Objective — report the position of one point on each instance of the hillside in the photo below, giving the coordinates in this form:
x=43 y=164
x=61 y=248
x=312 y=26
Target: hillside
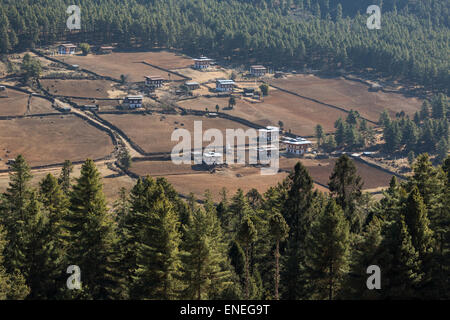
x=412 y=44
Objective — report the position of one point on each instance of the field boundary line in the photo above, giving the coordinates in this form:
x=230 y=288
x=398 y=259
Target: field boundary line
x=69 y=66
x=320 y=102
x=167 y=70
x=59 y=165
x=373 y=165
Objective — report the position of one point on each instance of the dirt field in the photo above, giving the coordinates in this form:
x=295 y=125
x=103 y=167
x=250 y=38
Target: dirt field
x=130 y=64
x=79 y=88
x=232 y=179
x=163 y=59
x=297 y=114
x=16 y=104
x=51 y=140
x=161 y=168
x=103 y=104
x=320 y=171
x=153 y=132
x=349 y=95
x=204 y=76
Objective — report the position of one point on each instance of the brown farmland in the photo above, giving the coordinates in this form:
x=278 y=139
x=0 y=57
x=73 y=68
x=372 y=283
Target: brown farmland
x=79 y=88
x=320 y=171
x=16 y=104
x=349 y=95
x=120 y=63
x=299 y=115
x=51 y=140
x=153 y=132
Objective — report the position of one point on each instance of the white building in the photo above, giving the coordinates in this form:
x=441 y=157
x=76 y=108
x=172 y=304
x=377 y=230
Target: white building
x=225 y=85
x=212 y=158
x=258 y=70
x=270 y=134
x=202 y=63
x=133 y=102
x=297 y=146
x=67 y=49
x=154 y=82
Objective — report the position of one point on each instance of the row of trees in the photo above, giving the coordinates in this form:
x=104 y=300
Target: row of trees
x=292 y=242
x=325 y=34
x=353 y=133
x=427 y=132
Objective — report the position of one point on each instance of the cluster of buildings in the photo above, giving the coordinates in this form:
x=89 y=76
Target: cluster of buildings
x=70 y=49
x=295 y=146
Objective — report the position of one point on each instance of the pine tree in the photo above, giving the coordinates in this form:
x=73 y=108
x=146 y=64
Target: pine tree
x=442 y=149
x=385 y=119
x=15 y=218
x=158 y=259
x=365 y=252
x=422 y=238
x=204 y=257
x=5 y=44
x=48 y=247
x=346 y=185
x=12 y=286
x=254 y=199
x=319 y=134
x=91 y=236
x=426 y=179
x=425 y=110
x=417 y=221
x=246 y=235
x=279 y=230
x=340 y=133
x=296 y=210
x=439 y=106
x=399 y=263
x=64 y=178
x=238 y=208
x=328 y=251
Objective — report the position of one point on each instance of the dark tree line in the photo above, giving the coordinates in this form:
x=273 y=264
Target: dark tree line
x=428 y=131
x=292 y=242
x=323 y=34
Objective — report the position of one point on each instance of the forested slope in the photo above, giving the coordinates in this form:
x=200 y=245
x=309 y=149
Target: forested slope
x=326 y=34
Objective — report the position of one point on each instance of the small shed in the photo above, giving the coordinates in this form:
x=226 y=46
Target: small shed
x=3 y=92
x=67 y=49
x=106 y=50
x=192 y=85
x=90 y=107
x=258 y=70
